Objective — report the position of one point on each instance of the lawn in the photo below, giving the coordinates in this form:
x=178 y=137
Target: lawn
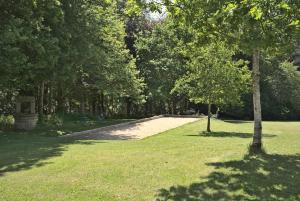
x=63 y=124
x=180 y=164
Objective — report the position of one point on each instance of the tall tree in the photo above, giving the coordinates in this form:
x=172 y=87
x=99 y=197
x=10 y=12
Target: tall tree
x=74 y=48
x=254 y=25
x=161 y=61
x=281 y=89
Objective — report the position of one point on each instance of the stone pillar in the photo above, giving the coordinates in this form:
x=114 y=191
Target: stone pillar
x=32 y=107
x=18 y=107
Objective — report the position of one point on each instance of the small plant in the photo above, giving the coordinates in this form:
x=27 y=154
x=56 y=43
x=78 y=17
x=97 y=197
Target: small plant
x=6 y=122
x=60 y=133
x=52 y=120
x=56 y=120
x=90 y=123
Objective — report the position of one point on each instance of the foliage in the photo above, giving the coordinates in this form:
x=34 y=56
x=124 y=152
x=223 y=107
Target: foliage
x=161 y=60
x=68 y=46
x=54 y=120
x=6 y=122
x=252 y=24
x=280 y=93
x=109 y=58
x=213 y=77
x=7 y=98
x=281 y=86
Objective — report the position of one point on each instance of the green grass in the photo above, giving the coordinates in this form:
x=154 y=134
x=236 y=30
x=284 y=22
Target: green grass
x=64 y=124
x=70 y=126
x=180 y=164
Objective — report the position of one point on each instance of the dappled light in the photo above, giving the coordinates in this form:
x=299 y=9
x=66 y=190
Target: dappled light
x=103 y=100
x=24 y=151
x=263 y=177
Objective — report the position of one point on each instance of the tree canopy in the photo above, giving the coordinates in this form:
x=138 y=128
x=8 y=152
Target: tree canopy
x=253 y=25
x=213 y=77
x=115 y=58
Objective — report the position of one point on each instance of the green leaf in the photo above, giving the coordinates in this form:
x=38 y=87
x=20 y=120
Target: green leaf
x=256 y=12
x=294 y=23
x=230 y=7
x=285 y=6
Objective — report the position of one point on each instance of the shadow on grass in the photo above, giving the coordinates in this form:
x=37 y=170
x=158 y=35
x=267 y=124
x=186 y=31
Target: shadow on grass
x=24 y=150
x=262 y=177
x=228 y=134
x=237 y=121
x=20 y=151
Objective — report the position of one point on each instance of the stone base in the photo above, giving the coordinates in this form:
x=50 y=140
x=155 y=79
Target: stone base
x=25 y=121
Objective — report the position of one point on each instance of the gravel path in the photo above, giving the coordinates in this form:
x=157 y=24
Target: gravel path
x=134 y=130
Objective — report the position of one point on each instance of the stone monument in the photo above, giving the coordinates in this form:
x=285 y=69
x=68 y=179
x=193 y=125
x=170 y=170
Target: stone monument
x=25 y=117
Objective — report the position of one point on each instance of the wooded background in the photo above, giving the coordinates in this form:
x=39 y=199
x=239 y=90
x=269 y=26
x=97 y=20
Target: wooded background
x=94 y=57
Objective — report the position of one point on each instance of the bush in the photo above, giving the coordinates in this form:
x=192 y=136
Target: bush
x=6 y=122
x=56 y=120
x=52 y=120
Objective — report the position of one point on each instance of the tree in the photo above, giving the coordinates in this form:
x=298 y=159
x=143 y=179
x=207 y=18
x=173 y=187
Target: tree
x=254 y=25
x=213 y=77
x=62 y=51
x=161 y=62
x=281 y=89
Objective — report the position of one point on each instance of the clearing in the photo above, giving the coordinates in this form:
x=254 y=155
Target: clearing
x=179 y=164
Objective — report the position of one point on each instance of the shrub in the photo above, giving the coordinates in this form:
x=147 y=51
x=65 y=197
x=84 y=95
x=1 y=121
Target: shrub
x=6 y=122
x=52 y=120
x=56 y=120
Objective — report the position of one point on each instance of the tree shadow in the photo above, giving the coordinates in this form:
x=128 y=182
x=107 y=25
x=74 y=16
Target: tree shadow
x=228 y=134
x=237 y=121
x=21 y=151
x=261 y=177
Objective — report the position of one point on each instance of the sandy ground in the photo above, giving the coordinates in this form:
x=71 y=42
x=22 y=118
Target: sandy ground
x=136 y=130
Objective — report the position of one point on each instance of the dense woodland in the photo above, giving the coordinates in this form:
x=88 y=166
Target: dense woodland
x=118 y=59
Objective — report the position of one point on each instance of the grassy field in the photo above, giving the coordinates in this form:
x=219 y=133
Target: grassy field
x=58 y=125
x=180 y=164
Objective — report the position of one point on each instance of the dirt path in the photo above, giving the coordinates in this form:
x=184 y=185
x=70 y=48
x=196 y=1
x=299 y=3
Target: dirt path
x=134 y=130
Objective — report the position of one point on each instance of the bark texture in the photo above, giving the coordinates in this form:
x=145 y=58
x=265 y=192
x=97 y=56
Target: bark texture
x=41 y=105
x=208 y=118
x=257 y=135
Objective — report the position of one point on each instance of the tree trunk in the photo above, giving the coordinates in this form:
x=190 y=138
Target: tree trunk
x=257 y=142
x=41 y=105
x=50 y=101
x=217 y=112
x=151 y=107
x=187 y=105
x=128 y=107
x=161 y=107
x=102 y=105
x=208 y=118
x=60 y=98
x=111 y=109
x=82 y=104
x=98 y=107
x=67 y=104
x=173 y=107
